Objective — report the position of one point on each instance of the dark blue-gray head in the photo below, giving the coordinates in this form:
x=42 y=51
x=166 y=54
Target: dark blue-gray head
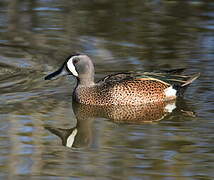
x=78 y=65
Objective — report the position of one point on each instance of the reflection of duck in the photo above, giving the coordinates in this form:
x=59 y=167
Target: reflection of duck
x=129 y=114
x=81 y=135
x=122 y=88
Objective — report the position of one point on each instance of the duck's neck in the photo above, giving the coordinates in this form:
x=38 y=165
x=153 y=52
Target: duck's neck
x=86 y=74
x=85 y=80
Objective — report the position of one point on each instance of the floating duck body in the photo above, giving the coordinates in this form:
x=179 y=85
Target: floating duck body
x=122 y=88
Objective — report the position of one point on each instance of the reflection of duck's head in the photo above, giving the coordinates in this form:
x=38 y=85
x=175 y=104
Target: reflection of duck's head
x=67 y=135
x=73 y=137
x=122 y=88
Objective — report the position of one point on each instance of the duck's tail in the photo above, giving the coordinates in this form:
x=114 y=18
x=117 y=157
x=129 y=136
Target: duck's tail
x=181 y=87
x=191 y=79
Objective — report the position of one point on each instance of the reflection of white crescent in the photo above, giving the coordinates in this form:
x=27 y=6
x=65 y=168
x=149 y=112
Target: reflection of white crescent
x=71 y=138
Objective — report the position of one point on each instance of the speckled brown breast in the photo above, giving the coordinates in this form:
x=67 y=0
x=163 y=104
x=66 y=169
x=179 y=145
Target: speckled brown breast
x=130 y=92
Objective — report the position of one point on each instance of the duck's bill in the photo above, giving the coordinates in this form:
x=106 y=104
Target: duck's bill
x=56 y=74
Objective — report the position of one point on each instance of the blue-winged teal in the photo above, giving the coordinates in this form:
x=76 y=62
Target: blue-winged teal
x=122 y=88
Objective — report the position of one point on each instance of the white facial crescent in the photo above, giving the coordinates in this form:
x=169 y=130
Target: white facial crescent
x=71 y=66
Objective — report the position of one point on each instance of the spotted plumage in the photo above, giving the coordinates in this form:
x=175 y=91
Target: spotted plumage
x=122 y=88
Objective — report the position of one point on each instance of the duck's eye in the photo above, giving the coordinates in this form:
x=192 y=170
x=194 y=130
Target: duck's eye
x=76 y=60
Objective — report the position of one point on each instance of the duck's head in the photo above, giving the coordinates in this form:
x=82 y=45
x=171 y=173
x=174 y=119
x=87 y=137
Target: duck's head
x=78 y=65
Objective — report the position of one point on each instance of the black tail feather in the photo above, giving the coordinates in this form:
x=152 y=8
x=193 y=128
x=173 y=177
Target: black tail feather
x=181 y=88
x=191 y=79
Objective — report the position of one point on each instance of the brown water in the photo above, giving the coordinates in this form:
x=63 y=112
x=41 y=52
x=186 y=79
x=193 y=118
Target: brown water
x=38 y=120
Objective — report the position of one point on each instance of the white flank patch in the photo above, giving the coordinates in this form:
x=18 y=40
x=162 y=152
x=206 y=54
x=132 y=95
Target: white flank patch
x=71 y=66
x=170 y=107
x=169 y=92
x=70 y=139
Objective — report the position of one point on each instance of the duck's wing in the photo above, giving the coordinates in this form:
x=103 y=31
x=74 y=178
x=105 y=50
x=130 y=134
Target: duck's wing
x=118 y=77
x=171 y=77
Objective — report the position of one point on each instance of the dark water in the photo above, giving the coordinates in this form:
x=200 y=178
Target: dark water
x=37 y=117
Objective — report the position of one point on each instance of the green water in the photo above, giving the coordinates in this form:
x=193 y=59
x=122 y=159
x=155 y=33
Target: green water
x=37 y=117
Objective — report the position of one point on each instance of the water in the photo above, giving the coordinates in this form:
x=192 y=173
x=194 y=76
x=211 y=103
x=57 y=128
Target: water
x=38 y=120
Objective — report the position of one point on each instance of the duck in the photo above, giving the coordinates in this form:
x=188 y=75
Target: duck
x=124 y=88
